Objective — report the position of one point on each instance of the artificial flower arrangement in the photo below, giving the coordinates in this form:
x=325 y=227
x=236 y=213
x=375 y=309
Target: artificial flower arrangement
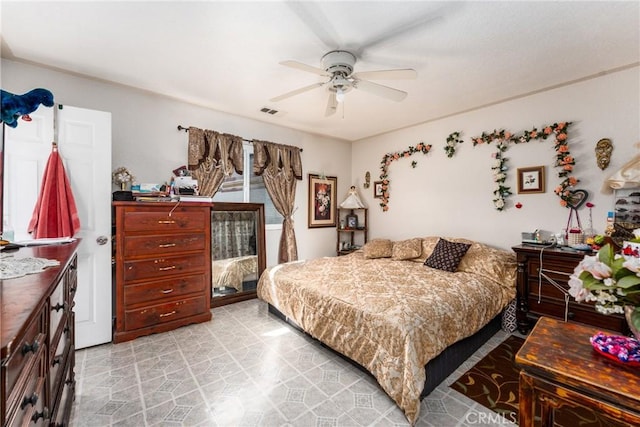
x=564 y=160
x=121 y=177
x=610 y=280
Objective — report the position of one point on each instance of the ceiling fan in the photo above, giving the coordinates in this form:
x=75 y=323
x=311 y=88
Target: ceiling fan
x=337 y=67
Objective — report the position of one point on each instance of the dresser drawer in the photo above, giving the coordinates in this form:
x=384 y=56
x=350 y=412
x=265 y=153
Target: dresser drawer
x=22 y=357
x=553 y=267
x=32 y=410
x=58 y=360
x=144 y=293
x=28 y=396
x=581 y=313
x=159 y=221
x=163 y=266
x=64 y=402
x=161 y=313
x=71 y=278
x=57 y=308
x=135 y=246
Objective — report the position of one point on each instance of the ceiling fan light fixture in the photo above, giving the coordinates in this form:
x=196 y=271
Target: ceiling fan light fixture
x=340 y=95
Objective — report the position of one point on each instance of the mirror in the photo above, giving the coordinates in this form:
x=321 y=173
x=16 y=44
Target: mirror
x=237 y=251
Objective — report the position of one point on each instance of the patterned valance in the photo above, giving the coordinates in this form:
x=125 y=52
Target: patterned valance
x=212 y=157
x=277 y=158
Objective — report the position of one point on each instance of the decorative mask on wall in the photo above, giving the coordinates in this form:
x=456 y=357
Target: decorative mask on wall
x=604 y=147
x=367 y=180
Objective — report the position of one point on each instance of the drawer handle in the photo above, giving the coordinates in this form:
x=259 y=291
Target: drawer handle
x=167 y=291
x=167 y=245
x=30 y=400
x=26 y=348
x=56 y=360
x=169 y=221
x=59 y=306
x=171 y=313
x=571 y=315
x=173 y=267
x=44 y=414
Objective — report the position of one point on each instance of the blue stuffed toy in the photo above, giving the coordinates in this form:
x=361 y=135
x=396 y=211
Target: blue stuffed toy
x=16 y=106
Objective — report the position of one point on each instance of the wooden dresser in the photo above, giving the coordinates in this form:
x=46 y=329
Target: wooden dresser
x=562 y=373
x=543 y=298
x=38 y=354
x=163 y=266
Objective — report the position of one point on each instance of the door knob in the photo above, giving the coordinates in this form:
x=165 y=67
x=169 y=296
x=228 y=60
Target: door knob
x=102 y=240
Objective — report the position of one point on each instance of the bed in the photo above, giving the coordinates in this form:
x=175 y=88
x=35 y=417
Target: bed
x=389 y=312
x=233 y=272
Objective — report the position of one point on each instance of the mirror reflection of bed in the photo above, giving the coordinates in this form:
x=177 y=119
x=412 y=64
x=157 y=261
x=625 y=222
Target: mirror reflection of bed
x=237 y=251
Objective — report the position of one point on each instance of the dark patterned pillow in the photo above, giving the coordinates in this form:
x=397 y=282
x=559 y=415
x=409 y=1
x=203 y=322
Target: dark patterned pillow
x=447 y=255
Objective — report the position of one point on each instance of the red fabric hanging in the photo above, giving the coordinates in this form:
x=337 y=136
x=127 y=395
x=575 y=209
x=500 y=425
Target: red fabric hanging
x=55 y=213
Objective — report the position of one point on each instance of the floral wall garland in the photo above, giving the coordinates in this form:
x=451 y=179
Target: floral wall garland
x=564 y=160
x=384 y=167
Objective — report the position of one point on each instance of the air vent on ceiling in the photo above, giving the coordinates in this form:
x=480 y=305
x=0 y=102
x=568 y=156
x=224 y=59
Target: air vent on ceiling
x=271 y=111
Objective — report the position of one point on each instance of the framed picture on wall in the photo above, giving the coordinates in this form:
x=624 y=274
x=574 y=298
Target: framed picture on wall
x=531 y=180
x=377 y=190
x=322 y=201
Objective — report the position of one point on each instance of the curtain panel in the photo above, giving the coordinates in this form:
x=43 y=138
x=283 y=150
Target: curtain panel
x=233 y=234
x=212 y=157
x=280 y=167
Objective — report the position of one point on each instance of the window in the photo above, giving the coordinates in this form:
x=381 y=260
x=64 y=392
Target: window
x=248 y=188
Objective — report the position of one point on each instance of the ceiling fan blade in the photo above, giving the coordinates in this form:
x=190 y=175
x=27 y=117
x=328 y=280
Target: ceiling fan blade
x=313 y=17
x=399 y=74
x=304 y=67
x=380 y=90
x=295 y=92
x=402 y=30
x=332 y=104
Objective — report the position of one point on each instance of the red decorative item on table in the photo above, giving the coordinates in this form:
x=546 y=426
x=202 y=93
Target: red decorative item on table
x=621 y=349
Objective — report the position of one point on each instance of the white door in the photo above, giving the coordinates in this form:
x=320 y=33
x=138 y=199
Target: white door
x=84 y=143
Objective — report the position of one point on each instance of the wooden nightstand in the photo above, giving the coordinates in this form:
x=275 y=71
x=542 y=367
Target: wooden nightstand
x=560 y=371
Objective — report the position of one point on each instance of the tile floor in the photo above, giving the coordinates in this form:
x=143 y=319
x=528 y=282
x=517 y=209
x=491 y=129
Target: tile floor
x=248 y=368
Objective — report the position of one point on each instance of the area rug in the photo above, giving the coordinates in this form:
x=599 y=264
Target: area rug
x=493 y=383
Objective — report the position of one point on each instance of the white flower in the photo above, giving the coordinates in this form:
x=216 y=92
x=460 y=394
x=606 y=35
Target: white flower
x=609 y=281
x=576 y=290
x=632 y=264
x=598 y=270
x=499 y=203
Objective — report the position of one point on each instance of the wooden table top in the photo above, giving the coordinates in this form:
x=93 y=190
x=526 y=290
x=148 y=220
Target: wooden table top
x=559 y=350
x=20 y=297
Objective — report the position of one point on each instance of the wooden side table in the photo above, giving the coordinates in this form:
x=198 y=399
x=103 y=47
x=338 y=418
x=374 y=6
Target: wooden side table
x=560 y=370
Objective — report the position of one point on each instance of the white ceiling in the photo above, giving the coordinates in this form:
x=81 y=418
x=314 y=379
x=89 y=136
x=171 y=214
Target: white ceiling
x=225 y=55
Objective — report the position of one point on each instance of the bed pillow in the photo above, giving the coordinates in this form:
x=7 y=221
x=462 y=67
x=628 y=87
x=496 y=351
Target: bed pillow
x=378 y=248
x=407 y=249
x=447 y=255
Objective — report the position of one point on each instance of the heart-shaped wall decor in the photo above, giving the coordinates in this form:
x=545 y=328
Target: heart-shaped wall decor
x=577 y=198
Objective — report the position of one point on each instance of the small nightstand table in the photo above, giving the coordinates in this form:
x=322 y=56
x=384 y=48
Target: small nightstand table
x=561 y=369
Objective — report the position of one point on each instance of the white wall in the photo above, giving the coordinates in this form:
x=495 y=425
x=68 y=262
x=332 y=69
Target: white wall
x=147 y=142
x=441 y=196
x=453 y=196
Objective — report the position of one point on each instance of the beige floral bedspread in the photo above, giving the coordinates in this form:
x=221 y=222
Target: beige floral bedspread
x=232 y=271
x=392 y=317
